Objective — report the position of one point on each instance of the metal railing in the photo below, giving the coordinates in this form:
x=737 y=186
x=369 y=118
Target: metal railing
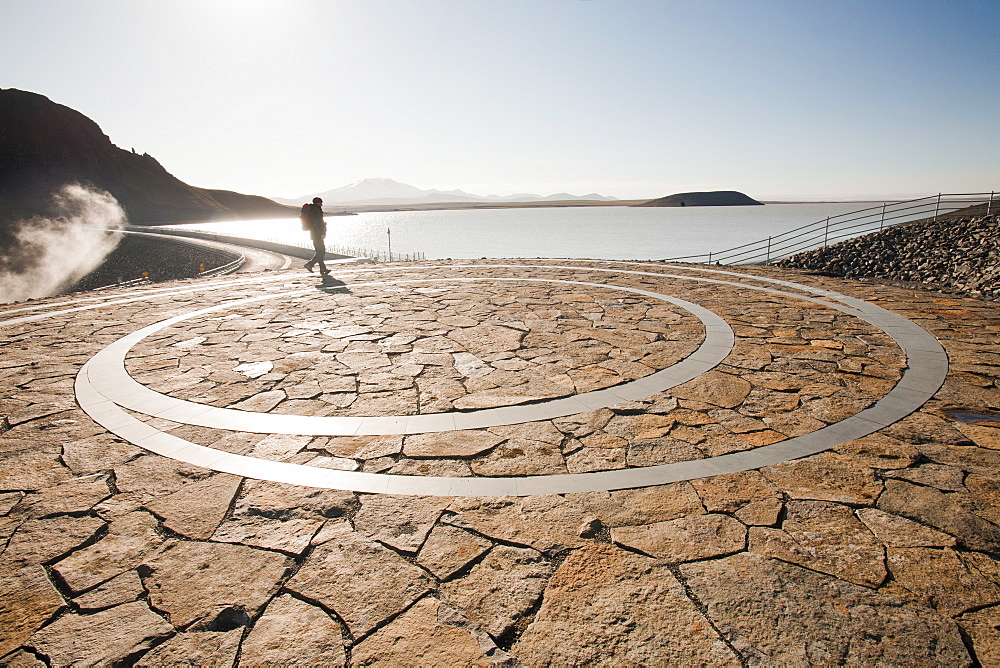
x=380 y=256
x=284 y=245
x=124 y=284
x=224 y=269
x=832 y=229
x=347 y=251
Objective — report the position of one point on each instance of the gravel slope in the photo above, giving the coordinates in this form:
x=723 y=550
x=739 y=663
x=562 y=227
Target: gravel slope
x=954 y=255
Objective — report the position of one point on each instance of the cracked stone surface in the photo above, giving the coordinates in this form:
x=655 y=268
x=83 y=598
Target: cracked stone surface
x=399 y=522
x=205 y=648
x=420 y=632
x=882 y=550
x=129 y=539
x=684 y=539
x=352 y=576
x=500 y=589
x=769 y=609
x=29 y=601
x=192 y=581
x=102 y=638
x=292 y=632
x=123 y=588
x=606 y=602
x=824 y=537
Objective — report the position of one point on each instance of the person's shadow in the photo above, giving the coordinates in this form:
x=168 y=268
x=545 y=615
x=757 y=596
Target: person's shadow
x=331 y=284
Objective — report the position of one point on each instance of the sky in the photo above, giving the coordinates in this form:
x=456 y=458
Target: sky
x=629 y=98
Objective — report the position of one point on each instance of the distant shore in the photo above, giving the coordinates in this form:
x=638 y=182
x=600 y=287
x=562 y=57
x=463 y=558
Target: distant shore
x=444 y=206
x=349 y=210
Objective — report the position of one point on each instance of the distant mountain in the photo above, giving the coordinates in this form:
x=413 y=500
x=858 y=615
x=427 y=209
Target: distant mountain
x=711 y=198
x=383 y=191
x=44 y=145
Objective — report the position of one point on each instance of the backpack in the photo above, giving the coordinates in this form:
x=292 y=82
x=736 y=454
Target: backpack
x=304 y=216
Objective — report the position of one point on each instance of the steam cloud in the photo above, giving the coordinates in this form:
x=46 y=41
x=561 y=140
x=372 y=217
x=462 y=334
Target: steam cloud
x=49 y=255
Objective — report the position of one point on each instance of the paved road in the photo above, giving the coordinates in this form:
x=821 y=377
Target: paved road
x=257 y=259
x=261 y=260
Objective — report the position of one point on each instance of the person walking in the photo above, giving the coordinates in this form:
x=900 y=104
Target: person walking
x=312 y=221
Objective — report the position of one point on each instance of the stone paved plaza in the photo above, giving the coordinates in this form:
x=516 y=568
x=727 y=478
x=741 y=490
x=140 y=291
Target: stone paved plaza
x=517 y=462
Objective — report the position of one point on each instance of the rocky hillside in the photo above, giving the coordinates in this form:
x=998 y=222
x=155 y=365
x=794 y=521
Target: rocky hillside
x=711 y=198
x=157 y=259
x=954 y=254
x=44 y=145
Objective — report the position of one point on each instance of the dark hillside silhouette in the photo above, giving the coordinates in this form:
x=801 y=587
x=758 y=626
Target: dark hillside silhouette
x=44 y=145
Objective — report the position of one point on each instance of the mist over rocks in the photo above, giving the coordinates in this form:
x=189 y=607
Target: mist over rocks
x=83 y=247
x=954 y=254
x=44 y=256
x=45 y=145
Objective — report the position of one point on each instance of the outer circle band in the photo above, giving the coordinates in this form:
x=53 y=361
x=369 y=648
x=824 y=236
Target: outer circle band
x=927 y=368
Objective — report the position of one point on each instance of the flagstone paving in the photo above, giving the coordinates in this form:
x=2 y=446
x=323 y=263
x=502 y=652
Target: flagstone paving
x=524 y=462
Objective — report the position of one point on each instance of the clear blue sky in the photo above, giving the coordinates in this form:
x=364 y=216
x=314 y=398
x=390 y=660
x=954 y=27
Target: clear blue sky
x=630 y=98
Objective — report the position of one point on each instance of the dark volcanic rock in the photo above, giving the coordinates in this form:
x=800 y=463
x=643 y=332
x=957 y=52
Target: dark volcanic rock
x=159 y=259
x=712 y=198
x=954 y=254
x=44 y=145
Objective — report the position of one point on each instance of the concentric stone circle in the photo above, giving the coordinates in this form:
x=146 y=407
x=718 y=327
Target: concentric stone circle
x=104 y=388
x=108 y=376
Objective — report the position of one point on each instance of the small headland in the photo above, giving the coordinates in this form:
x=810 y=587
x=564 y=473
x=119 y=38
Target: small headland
x=957 y=253
x=711 y=198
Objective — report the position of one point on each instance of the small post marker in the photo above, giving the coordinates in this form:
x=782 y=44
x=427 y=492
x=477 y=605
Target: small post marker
x=388 y=233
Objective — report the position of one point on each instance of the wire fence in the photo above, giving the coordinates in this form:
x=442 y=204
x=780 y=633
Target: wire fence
x=348 y=251
x=381 y=256
x=279 y=244
x=845 y=226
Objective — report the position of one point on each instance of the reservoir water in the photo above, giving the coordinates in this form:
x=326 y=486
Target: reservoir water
x=601 y=232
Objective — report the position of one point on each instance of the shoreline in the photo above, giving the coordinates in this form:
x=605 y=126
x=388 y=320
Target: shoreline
x=473 y=206
x=445 y=206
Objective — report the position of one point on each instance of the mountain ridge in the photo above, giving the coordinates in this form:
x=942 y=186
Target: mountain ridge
x=385 y=191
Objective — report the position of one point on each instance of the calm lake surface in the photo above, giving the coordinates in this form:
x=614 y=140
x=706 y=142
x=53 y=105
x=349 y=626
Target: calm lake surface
x=601 y=232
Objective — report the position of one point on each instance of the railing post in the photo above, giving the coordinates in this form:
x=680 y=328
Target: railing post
x=937 y=207
x=767 y=259
x=881 y=221
x=989 y=205
x=826 y=232
x=710 y=252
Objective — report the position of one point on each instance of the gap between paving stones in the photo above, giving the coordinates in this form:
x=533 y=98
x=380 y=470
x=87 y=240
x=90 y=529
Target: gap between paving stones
x=927 y=365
